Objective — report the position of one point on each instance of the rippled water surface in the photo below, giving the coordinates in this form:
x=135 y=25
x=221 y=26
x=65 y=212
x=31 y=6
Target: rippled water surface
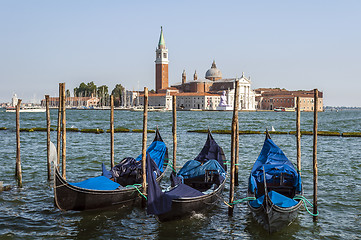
x=29 y=211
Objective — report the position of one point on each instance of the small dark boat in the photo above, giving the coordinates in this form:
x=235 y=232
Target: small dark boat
x=100 y=192
x=274 y=182
x=197 y=186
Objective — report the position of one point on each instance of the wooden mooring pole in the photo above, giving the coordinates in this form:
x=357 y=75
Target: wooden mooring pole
x=144 y=145
x=18 y=173
x=315 y=174
x=63 y=152
x=58 y=137
x=236 y=156
x=48 y=135
x=298 y=134
x=174 y=131
x=233 y=149
x=111 y=131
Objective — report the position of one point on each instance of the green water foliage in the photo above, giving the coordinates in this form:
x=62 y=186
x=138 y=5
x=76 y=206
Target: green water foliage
x=351 y=134
x=302 y=132
x=119 y=130
x=328 y=133
x=249 y=132
x=72 y=129
x=92 y=130
x=277 y=132
x=141 y=130
x=26 y=130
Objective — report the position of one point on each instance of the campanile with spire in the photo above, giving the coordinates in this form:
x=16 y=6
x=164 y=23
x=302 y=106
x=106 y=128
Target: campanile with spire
x=161 y=64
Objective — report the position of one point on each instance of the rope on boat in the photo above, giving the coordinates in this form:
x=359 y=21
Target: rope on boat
x=237 y=164
x=171 y=166
x=136 y=187
x=237 y=201
x=242 y=200
x=304 y=200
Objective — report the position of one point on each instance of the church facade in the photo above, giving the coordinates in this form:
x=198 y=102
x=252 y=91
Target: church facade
x=210 y=93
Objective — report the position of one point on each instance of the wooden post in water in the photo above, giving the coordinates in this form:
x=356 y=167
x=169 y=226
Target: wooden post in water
x=236 y=156
x=298 y=134
x=48 y=135
x=144 y=146
x=58 y=138
x=315 y=174
x=111 y=131
x=18 y=172
x=174 y=131
x=63 y=153
x=233 y=149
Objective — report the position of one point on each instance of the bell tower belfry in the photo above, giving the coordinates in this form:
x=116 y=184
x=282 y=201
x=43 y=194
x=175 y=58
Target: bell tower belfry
x=161 y=64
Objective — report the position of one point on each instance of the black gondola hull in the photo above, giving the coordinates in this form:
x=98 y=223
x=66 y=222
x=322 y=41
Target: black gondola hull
x=184 y=207
x=69 y=197
x=273 y=218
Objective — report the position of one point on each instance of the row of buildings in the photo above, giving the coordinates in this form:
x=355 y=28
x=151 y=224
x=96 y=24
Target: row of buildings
x=213 y=92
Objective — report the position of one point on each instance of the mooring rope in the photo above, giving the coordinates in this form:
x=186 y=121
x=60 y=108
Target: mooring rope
x=242 y=200
x=236 y=201
x=136 y=187
x=303 y=199
x=171 y=166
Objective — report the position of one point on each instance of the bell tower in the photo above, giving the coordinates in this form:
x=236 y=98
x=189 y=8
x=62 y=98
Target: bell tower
x=161 y=64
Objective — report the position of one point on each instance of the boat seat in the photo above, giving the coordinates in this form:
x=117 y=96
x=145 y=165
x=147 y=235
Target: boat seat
x=282 y=184
x=203 y=183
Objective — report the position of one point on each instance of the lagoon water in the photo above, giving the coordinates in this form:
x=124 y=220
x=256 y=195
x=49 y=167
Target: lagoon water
x=29 y=212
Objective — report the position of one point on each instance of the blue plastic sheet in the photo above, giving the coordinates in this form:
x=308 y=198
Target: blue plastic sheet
x=157 y=152
x=194 y=168
x=274 y=162
x=276 y=198
x=97 y=183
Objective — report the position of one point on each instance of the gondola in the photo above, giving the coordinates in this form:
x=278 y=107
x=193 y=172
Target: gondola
x=197 y=186
x=274 y=182
x=100 y=192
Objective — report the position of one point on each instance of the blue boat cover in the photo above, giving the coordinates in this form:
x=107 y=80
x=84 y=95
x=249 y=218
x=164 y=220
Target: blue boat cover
x=210 y=158
x=128 y=171
x=157 y=152
x=274 y=162
x=97 y=183
x=194 y=168
x=276 y=198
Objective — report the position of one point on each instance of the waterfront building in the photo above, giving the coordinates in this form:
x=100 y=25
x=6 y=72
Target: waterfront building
x=199 y=93
x=275 y=98
x=215 y=84
x=76 y=102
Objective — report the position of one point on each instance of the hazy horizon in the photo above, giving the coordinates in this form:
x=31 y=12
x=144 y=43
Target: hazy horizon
x=292 y=45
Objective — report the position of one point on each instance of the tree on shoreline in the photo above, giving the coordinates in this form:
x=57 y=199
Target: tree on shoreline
x=118 y=93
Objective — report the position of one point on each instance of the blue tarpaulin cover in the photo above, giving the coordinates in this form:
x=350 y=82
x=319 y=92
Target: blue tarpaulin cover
x=97 y=183
x=276 y=198
x=194 y=168
x=157 y=152
x=210 y=158
x=274 y=162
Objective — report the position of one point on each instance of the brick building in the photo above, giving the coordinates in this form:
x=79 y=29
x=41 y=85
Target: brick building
x=275 y=98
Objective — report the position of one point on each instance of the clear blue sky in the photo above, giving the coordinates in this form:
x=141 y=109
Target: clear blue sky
x=287 y=44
